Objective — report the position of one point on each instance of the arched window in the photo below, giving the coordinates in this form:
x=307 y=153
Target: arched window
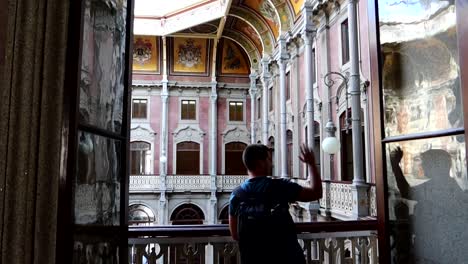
x=139 y=214
x=138 y=153
x=271 y=145
x=317 y=146
x=233 y=158
x=187 y=214
x=188 y=158
x=224 y=215
x=289 y=142
x=347 y=161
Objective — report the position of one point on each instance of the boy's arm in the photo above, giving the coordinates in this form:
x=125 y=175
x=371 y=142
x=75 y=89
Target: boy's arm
x=233 y=227
x=233 y=203
x=314 y=192
x=395 y=157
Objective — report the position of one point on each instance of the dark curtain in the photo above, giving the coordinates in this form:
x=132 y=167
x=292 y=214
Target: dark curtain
x=31 y=103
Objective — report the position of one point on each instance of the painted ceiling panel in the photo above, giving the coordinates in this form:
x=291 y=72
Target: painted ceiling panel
x=258 y=24
x=297 y=5
x=246 y=44
x=233 y=59
x=267 y=11
x=247 y=30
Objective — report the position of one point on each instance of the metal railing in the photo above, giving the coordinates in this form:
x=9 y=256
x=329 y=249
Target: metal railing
x=322 y=242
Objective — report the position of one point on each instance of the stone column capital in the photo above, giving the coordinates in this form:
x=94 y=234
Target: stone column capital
x=308 y=36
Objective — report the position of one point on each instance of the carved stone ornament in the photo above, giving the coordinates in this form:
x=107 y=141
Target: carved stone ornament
x=236 y=134
x=188 y=133
x=142 y=133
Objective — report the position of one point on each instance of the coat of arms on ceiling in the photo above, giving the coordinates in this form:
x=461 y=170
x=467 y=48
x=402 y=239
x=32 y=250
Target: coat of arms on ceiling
x=189 y=55
x=145 y=53
x=142 y=51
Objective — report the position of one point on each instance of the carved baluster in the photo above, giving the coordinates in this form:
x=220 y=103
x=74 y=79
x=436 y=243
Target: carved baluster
x=225 y=251
x=340 y=250
x=130 y=254
x=346 y=242
x=307 y=249
x=373 y=248
x=332 y=250
x=139 y=253
x=322 y=249
x=363 y=246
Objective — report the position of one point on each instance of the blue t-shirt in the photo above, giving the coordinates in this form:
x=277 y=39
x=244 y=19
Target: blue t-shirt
x=258 y=248
x=286 y=190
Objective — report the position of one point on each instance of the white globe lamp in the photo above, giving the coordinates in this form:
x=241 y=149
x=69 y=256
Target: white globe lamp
x=163 y=159
x=331 y=145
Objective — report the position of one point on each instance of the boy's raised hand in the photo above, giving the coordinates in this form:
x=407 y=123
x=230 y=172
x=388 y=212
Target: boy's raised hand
x=307 y=156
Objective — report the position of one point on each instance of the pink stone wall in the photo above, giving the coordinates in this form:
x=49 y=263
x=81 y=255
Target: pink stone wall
x=155 y=123
x=173 y=120
x=203 y=118
x=222 y=124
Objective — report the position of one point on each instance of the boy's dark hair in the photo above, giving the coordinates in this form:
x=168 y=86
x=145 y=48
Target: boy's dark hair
x=254 y=153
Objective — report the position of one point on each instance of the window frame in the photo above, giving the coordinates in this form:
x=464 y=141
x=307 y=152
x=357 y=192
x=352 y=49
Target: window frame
x=342 y=46
x=259 y=107
x=244 y=108
x=197 y=101
x=147 y=114
x=271 y=99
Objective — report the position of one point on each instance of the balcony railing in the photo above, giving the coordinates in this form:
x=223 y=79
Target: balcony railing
x=322 y=242
x=338 y=198
x=184 y=183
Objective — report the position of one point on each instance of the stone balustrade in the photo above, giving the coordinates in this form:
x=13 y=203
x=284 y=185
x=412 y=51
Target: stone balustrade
x=184 y=183
x=337 y=196
x=351 y=243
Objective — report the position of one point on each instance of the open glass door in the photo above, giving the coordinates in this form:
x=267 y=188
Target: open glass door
x=99 y=145
x=423 y=85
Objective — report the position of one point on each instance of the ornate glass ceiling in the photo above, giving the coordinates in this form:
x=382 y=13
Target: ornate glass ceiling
x=162 y=8
x=163 y=17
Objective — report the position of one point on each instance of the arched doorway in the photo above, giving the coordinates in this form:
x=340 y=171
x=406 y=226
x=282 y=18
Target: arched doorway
x=233 y=158
x=224 y=215
x=139 y=214
x=188 y=158
x=187 y=214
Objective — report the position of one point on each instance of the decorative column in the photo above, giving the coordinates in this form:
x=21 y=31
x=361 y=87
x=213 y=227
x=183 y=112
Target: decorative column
x=213 y=129
x=163 y=209
x=309 y=34
x=213 y=150
x=164 y=131
x=360 y=187
x=282 y=102
x=265 y=81
x=253 y=101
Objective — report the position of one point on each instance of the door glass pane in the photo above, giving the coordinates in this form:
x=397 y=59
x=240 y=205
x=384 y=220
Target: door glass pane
x=103 y=64
x=420 y=66
x=94 y=249
x=97 y=188
x=428 y=198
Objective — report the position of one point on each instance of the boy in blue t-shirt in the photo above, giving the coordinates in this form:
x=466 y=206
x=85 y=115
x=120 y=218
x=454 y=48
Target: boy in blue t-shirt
x=276 y=243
